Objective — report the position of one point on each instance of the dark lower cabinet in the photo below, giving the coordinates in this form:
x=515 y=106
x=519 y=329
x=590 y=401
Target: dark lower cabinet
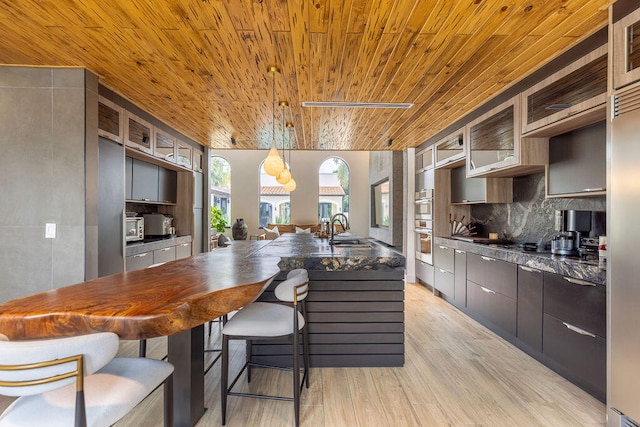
x=576 y=301
x=581 y=354
x=560 y=321
x=444 y=261
x=444 y=282
x=530 y=288
x=460 y=279
x=493 y=306
x=574 y=333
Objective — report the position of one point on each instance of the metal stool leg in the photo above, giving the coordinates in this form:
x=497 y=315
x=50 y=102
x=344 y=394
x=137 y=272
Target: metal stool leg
x=142 y=349
x=224 y=378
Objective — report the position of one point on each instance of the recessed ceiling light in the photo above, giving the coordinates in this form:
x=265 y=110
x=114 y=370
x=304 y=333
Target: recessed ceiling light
x=357 y=104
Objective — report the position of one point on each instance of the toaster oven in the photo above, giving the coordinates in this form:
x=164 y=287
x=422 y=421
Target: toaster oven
x=134 y=229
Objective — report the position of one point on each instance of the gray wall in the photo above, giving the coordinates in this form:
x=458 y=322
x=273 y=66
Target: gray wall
x=42 y=179
x=383 y=165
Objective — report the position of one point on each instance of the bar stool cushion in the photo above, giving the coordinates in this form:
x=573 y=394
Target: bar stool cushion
x=110 y=394
x=262 y=319
x=297 y=271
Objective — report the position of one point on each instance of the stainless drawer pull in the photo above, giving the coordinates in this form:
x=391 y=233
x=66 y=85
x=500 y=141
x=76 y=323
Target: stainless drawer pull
x=578 y=330
x=530 y=270
x=141 y=255
x=184 y=244
x=578 y=281
x=165 y=249
x=443 y=247
x=594 y=189
x=442 y=271
x=458 y=251
x=486 y=258
x=489 y=291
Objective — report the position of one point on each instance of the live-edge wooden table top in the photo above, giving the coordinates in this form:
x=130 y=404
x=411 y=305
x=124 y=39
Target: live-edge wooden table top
x=159 y=301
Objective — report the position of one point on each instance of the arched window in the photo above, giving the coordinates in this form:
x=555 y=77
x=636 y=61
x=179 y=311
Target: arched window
x=333 y=191
x=221 y=186
x=275 y=201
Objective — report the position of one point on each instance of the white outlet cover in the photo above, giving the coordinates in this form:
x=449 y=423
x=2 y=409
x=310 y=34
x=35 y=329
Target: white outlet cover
x=50 y=231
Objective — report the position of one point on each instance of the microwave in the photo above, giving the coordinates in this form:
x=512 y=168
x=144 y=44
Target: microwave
x=424 y=209
x=158 y=224
x=134 y=229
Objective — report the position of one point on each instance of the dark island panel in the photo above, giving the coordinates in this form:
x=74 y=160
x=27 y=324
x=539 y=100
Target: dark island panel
x=355 y=318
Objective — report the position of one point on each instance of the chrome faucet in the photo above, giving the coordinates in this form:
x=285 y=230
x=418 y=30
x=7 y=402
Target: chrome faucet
x=345 y=225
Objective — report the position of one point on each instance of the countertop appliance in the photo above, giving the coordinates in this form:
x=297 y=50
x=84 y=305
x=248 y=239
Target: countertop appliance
x=623 y=268
x=573 y=230
x=158 y=224
x=134 y=228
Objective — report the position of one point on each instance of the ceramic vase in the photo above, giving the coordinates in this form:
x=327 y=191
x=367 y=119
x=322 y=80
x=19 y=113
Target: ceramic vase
x=239 y=230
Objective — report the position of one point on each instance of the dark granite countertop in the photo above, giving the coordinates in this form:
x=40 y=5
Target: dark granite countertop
x=135 y=248
x=566 y=266
x=307 y=251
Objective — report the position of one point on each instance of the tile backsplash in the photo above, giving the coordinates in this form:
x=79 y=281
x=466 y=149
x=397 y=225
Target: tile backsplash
x=530 y=218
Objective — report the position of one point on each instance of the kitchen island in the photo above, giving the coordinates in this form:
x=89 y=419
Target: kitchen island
x=355 y=308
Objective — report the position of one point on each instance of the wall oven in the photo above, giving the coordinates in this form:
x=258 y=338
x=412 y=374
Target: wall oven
x=424 y=245
x=424 y=205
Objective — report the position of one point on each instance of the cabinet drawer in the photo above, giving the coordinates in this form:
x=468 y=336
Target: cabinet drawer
x=164 y=255
x=183 y=250
x=576 y=302
x=497 y=275
x=583 y=356
x=443 y=257
x=140 y=261
x=444 y=282
x=492 y=306
x=424 y=272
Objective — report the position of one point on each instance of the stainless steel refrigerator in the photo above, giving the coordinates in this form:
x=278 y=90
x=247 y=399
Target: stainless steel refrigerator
x=623 y=264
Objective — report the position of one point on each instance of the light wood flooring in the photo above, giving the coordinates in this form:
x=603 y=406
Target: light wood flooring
x=456 y=373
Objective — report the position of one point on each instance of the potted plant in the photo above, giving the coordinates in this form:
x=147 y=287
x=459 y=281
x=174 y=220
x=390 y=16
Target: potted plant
x=218 y=222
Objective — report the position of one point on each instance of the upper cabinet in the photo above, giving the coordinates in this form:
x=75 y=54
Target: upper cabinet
x=626 y=50
x=184 y=154
x=450 y=151
x=424 y=159
x=165 y=146
x=495 y=147
x=578 y=162
x=110 y=120
x=479 y=190
x=139 y=133
x=573 y=97
x=198 y=160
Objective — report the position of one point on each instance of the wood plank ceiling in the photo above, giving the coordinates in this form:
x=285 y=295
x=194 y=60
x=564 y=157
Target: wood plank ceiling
x=201 y=65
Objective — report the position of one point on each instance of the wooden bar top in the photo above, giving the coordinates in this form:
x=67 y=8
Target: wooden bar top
x=158 y=301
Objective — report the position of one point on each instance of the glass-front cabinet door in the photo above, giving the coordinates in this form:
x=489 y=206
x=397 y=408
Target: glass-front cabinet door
x=450 y=151
x=579 y=88
x=165 y=146
x=198 y=160
x=424 y=159
x=110 y=122
x=184 y=154
x=493 y=139
x=626 y=50
x=139 y=133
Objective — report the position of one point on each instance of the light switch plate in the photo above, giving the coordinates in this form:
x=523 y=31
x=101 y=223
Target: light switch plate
x=50 y=231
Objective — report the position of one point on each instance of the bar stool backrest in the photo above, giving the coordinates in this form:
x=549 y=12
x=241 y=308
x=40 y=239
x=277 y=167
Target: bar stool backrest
x=293 y=290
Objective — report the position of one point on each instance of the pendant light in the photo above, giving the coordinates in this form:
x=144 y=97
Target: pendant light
x=285 y=175
x=291 y=185
x=273 y=164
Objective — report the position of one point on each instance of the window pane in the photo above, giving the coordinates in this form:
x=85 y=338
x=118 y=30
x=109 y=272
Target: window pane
x=275 y=201
x=333 y=191
x=221 y=187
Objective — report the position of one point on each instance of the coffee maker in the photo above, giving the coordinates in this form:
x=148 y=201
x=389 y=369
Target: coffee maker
x=576 y=231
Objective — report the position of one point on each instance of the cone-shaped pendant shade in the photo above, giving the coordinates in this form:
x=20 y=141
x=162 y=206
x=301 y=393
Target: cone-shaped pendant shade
x=284 y=176
x=273 y=164
x=290 y=186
